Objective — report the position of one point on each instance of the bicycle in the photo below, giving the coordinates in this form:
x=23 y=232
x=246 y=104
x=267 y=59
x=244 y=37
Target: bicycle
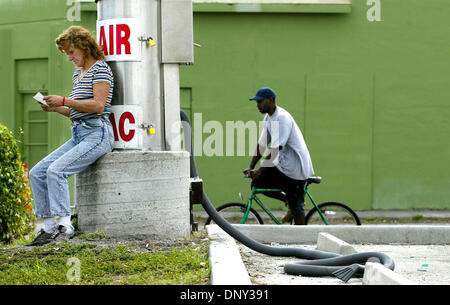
x=327 y=213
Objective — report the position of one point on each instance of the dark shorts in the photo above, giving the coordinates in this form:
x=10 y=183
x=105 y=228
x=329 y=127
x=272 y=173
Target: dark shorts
x=293 y=190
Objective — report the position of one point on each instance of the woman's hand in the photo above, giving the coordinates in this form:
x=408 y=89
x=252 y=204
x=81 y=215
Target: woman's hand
x=54 y=100
x=47 y=108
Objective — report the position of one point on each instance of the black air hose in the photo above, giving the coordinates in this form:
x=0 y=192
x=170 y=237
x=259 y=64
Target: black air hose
x=321 y=263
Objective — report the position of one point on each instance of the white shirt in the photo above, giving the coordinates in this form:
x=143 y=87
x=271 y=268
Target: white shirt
x=293 y=159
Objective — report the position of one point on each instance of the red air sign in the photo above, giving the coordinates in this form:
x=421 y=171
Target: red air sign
x=119 y=39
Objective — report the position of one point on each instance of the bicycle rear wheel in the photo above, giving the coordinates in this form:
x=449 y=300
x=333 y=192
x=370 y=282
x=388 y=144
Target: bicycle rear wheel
x=233 y=213
x=335 y=213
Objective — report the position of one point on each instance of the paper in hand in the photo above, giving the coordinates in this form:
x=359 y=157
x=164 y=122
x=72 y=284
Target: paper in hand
x=40 y=98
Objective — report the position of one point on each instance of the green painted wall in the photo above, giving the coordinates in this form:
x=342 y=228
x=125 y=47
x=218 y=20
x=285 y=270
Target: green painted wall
x=30 y=62
x=371 y=97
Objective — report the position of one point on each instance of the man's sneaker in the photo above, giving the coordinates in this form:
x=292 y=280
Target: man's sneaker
x=63 y=236
x=44 y=238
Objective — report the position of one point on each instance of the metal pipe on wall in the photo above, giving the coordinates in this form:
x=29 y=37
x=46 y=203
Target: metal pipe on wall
x=144 y=42
x=141 y=188
x=137 y=78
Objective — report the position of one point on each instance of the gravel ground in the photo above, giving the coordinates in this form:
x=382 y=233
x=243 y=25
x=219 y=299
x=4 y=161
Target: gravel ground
x=268 y=270
x=138 y=245
x=422 y=264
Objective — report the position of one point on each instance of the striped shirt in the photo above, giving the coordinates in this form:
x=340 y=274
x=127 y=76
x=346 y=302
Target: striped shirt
x=83 y=89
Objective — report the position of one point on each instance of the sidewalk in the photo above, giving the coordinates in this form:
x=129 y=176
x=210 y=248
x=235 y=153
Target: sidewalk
x=419 y=251
x=372 y=214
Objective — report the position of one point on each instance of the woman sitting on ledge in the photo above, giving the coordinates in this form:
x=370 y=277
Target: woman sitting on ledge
x=88 y=106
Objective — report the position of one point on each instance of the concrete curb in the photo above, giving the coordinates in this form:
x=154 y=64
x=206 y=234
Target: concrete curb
x=377 y=274
x=329 y=243
x=227 y=267
x=374 y=273
x=375 y=234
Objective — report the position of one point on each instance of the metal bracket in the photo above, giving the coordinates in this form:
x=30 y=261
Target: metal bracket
x=148 y=39
x=149 y=127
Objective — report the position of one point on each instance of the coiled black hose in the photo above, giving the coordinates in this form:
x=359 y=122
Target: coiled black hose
x=321 y=263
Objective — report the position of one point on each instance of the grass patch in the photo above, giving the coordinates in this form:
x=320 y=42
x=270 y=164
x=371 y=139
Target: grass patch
x=182 y=263
x=418 y=217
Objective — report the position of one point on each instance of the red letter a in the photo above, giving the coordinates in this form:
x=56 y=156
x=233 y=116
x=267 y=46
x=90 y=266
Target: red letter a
x=102 y=41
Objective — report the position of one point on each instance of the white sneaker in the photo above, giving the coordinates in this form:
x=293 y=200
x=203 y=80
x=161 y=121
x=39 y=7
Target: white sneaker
x=64 y=234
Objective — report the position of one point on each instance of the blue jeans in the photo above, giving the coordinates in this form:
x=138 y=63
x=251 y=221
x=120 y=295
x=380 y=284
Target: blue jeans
x=91 y=139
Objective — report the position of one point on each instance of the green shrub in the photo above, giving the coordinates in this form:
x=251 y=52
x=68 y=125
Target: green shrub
x=16 y=206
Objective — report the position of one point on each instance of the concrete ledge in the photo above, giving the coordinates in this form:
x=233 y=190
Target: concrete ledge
x=329 y=243
x=374 y=273
x=377 y=274
x=135 y=193
x=227 y=267
x=272 y=7
x=375 y=234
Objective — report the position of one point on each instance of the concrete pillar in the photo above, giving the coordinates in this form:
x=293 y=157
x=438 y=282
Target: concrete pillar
x=143 y=194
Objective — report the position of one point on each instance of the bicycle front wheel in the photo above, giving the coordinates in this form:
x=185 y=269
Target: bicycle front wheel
x=335 y=213
x=233 y=212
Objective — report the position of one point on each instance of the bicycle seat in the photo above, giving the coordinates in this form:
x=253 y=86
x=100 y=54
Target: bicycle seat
x=316 y=180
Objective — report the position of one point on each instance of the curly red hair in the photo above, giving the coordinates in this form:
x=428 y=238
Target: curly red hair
x=81 y=39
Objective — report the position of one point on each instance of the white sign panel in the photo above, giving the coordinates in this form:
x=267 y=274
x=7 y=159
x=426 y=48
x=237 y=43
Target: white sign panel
x=119 y=39
x=126 y=121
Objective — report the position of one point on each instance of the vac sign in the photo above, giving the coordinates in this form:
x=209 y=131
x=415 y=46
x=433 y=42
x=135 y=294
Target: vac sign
x=125 y=120
x=119 y=39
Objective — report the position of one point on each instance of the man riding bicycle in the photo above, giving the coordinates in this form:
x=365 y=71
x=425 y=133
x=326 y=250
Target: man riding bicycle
x=288 y=163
